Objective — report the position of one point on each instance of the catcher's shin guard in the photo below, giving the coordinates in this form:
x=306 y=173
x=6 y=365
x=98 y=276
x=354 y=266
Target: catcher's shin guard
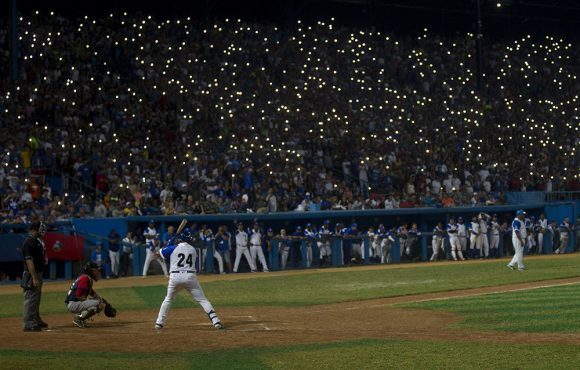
x=88 y=313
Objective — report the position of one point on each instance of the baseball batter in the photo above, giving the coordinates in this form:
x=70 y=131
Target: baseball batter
x=182 y=255
x=518 y=240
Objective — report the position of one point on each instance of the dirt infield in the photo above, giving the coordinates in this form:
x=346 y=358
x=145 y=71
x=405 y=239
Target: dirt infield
x=189 y=329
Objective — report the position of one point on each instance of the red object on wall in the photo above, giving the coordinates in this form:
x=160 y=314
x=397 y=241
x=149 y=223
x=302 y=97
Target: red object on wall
x=64 y=247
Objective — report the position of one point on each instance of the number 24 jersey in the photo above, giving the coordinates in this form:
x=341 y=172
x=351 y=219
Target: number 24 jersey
x=181 y=257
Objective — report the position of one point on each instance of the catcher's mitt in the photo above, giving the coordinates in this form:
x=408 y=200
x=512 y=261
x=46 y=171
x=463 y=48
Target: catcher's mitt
x=110 y=311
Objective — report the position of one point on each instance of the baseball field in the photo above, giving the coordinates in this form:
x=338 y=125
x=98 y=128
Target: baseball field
x=462 y=315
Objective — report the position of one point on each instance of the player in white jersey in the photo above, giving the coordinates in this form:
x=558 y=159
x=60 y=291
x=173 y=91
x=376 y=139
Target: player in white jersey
x=518 y=240
x=541 y=227
x=494 y=238
x=564 y=235
x=452 y=230
x=310 y=236
x=182 y=256
x=462 y=234
x=151 y=242
x=438 y=242
x=530 y=238
x=242 y=248
x=256 y=237
x=324 y=246
x=473 y=237
x=483 y=240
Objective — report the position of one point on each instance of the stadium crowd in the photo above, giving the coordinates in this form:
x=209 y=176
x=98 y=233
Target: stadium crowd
x=140 y=116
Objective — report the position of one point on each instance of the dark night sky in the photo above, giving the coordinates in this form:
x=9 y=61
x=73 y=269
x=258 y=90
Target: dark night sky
x=514 y=17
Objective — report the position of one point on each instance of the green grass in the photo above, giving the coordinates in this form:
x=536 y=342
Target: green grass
x=363 y=354
x=322 y=288
x=537 y=310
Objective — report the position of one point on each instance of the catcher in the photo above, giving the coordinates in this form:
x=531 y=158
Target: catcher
x=77 y=300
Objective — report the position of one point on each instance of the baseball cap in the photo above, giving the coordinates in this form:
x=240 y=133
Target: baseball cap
x=353 y=224
x=520 y=212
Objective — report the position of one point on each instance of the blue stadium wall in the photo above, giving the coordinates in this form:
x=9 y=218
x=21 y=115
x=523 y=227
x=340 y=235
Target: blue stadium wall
x=96 y=230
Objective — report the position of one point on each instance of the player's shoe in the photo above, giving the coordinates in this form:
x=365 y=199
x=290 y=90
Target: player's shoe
x=510 y=267
x=218 y=325
x=158 y=326
x=80 y=323
x=523 y=268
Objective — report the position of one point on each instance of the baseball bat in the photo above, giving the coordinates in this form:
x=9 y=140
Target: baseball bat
x=181 y=226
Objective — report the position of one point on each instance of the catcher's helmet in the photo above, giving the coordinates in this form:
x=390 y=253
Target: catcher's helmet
x=88 y=269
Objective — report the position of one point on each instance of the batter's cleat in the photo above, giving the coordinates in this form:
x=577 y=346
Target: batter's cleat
x=510 y=267
x=80 y=323
x=42 y=324
x=32 y=328
x=158 y=326
x=218 y=325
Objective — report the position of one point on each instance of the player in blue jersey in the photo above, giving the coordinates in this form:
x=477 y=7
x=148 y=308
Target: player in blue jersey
x=519 y=234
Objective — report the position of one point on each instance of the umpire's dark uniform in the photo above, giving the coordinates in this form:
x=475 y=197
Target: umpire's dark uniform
x=33 y=255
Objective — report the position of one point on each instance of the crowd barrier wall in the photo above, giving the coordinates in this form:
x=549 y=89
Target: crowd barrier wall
x=97 y=230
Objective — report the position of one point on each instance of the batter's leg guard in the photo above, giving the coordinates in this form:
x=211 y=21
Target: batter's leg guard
x=215 y=319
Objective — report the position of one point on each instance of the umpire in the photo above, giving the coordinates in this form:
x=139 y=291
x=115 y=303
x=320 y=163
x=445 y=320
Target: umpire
x=33 y=256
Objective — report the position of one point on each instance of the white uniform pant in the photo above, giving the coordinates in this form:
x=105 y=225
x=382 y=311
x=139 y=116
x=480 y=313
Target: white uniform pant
x=531 y=241
x=463 y=243
x=284 y=252
x=358 y=250
x=218 y=257
x=385 y=251
x=151 y=256
x=494 y=241
x=114 y=256
x=436 y=244
x=518 y=255
x=177 y=282
x=308 y=247
x=246 y=253
x=473 y=242
x=455 y=248
x=402 y=245
x=540 y=242
x=325 y=249
x=256 y=251
x=563 y=243
x=483 y=245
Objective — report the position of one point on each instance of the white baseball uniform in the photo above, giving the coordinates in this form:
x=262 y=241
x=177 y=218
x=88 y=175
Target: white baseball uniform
x=182 y=261
x=518 y=228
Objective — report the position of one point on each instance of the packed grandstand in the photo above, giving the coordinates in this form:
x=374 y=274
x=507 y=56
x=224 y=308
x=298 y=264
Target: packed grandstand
x=141 y=115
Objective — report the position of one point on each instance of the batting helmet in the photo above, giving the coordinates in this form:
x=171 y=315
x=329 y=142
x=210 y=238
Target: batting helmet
x=186 y=236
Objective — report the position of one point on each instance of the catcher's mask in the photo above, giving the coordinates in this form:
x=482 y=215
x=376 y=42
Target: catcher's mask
x=89 y=269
